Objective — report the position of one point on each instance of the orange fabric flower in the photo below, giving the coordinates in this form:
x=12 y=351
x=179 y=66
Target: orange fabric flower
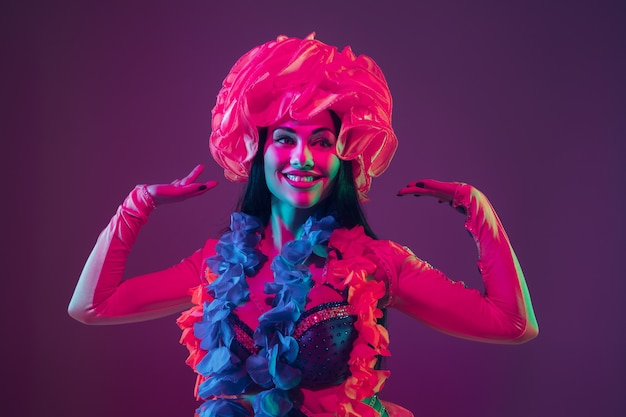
x=186 y=322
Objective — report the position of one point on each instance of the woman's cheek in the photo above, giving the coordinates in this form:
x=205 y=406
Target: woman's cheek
x=332 y=166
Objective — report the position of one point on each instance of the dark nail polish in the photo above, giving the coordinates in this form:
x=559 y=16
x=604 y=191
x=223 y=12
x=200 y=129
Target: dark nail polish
x=419 y=184
x=202 y=187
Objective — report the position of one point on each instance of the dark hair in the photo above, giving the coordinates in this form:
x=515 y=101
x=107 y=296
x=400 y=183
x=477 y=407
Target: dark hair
x=342 y=202
x=256 y=199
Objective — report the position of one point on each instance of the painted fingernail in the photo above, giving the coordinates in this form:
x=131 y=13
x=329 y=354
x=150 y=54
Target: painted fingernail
x=419 y=184
x=202 y=187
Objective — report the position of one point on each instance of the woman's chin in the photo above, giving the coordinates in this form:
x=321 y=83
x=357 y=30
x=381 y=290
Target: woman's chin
x=307 y=200
x=305 y=205
x=304 y=202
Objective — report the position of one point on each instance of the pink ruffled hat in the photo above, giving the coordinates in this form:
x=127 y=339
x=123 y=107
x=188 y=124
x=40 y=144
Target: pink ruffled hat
x=300 y=78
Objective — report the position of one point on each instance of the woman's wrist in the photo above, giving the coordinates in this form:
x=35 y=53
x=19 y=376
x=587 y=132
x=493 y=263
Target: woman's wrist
x=147 y=197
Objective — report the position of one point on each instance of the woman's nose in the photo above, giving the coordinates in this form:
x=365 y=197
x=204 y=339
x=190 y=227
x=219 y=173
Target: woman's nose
x=302 y=157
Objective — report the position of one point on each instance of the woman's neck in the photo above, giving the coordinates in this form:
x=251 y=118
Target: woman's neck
x=286 y=222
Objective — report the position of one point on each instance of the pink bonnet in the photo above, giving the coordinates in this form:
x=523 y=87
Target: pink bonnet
x=300 y=78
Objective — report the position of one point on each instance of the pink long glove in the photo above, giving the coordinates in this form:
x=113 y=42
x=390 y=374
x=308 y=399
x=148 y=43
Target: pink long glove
x=504 y=314
x=103 y=297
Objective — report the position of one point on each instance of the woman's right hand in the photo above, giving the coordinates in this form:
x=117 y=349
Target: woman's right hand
x=180 y=189
x=103 y=296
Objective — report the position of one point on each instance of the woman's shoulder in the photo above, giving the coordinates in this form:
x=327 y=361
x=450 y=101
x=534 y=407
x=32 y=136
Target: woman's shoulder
x=209 y=245
x=390 y=251
x=355 y=239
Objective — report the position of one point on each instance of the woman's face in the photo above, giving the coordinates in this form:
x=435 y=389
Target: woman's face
x=301 y=162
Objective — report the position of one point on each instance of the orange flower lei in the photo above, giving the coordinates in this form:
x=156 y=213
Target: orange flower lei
x=355 y=270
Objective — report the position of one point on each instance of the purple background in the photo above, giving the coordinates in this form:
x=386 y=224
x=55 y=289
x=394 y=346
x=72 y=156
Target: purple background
x=523 y=99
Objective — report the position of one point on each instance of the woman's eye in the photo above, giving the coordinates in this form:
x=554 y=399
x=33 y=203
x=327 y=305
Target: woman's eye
x=324 y=142
x=286 y=140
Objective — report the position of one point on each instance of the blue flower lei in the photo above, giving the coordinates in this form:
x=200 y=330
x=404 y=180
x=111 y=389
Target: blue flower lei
x=272 y=367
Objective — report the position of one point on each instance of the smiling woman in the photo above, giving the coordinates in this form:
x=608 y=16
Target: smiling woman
x=283 y=314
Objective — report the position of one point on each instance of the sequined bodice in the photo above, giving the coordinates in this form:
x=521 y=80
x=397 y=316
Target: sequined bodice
x=325 y=335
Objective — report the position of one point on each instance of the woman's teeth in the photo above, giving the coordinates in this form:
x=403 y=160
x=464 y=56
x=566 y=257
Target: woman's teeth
x=299 y=178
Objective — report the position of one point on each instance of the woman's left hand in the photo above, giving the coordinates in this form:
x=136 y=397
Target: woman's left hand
x=444 y=191
x=504 y=314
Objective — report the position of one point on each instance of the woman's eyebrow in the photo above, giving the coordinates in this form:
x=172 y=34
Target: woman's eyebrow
x=323 y=129
x=287 y=129
x=318 y=130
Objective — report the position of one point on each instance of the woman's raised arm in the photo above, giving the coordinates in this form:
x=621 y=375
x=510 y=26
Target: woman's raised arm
x=102 y=296
x=504 y=313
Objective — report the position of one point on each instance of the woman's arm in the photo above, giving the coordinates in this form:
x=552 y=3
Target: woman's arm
x=102 y=296
x=503 y=314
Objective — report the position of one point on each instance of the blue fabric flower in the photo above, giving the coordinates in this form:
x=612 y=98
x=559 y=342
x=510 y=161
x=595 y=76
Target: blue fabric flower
x=216 y=361
x=214 y=329
x=272 y=403
x=222 y=408
x=280 y=318
x=243 y=221
x=231 y=285
x=233 y=381
x=282 y=354
x=258 y=369
x=296 y=251
x=286 y=273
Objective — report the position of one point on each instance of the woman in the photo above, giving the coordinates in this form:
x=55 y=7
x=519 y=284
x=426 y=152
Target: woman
x=283 y=315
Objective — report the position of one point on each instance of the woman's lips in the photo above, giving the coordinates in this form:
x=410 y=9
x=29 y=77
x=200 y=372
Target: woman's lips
x=302 y=180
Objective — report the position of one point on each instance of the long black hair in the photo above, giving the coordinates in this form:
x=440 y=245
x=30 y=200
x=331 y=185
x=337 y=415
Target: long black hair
x=342 y=202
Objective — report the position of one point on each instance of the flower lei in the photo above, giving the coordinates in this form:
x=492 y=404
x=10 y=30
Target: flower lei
x=209 y=335
x=353 y=269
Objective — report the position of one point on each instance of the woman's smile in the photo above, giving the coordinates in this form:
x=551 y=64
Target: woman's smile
x=302 y=180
